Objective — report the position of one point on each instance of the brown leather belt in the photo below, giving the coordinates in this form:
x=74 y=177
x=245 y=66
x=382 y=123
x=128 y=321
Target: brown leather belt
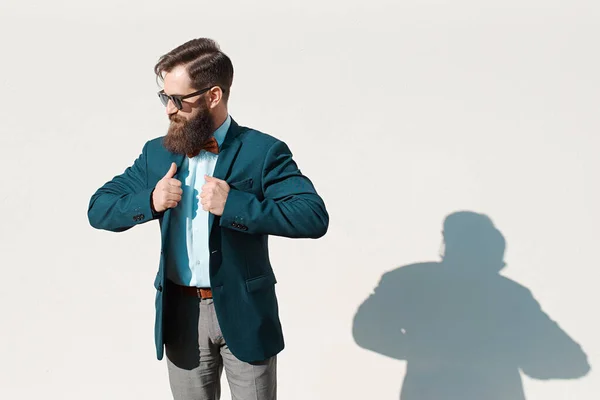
x=203 y=293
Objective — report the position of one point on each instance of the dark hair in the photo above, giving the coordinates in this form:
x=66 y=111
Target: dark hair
x=205 y=63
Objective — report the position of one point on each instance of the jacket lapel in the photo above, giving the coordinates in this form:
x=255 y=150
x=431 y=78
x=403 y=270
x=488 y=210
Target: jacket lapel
x=227 y=154
x=178 y=160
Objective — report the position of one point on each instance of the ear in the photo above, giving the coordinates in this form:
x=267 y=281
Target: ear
x=215 y=96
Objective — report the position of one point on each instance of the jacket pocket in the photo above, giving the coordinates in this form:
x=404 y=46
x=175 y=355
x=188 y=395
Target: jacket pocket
x=260 y=282
x=243 y=185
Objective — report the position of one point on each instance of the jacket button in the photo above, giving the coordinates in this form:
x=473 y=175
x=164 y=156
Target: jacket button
x=160 y=288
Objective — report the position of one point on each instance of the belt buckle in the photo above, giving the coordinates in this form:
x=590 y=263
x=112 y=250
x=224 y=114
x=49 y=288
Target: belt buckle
x=199 y=292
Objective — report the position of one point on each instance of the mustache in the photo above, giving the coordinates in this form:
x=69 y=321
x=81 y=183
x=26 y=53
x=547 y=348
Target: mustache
x=176 y=118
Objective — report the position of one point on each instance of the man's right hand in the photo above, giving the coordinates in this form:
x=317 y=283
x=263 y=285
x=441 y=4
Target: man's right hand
x=167 y=193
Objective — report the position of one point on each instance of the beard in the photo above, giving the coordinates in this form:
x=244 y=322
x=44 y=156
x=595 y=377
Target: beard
x=187 y=136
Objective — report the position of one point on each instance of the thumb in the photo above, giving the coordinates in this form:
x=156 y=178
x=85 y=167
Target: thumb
x=171 y=171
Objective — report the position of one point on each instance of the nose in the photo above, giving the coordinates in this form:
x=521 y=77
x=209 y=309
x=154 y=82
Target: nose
x=171 y=109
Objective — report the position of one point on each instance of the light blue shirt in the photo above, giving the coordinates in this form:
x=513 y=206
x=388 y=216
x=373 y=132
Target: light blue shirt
x=187 y=252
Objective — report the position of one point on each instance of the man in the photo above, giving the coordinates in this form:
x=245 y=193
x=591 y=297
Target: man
x=218 y=190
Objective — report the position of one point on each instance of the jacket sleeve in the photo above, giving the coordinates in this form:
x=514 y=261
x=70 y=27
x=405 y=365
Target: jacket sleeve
x=291 y=206
x=124 y=201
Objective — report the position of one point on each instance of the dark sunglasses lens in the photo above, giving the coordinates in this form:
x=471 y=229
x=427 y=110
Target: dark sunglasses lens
x=177 y=103
x=164 y=99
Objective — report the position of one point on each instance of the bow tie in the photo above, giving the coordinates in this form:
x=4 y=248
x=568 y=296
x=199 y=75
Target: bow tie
x=211 y=146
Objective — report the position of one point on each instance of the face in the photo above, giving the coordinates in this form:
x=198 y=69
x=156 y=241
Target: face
x=191 y=126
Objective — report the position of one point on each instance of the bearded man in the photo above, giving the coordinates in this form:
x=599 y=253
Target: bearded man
x=218 y=190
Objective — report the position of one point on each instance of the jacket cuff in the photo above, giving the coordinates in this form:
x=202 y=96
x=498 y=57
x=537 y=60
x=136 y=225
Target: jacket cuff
x=141 y=207
x=235 y=214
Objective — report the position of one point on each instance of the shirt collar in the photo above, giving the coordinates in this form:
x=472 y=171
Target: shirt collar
x=221 y=131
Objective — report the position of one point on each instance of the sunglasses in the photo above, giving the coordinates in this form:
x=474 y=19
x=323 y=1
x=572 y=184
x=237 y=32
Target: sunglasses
x=177 y=100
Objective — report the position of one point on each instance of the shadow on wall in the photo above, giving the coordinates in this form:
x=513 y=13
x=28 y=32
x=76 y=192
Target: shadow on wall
x=465 y=331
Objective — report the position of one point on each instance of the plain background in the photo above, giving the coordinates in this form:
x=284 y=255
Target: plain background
x=401 y=112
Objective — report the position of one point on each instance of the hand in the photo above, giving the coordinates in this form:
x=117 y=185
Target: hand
x=214 y=195
x=167 y=192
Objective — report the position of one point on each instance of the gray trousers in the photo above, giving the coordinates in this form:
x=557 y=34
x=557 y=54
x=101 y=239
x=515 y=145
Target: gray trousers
x=196 y=355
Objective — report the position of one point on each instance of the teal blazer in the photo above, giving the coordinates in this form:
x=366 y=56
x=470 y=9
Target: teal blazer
x=269 y=196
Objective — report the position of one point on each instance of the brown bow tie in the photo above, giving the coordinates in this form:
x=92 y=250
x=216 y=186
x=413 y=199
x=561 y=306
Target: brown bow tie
x=211 y=146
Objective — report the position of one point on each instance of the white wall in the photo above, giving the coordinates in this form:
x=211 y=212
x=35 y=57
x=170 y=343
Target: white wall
x=400 y=112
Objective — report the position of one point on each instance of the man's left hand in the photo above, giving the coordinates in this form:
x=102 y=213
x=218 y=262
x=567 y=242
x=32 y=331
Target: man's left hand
x=214 y=195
